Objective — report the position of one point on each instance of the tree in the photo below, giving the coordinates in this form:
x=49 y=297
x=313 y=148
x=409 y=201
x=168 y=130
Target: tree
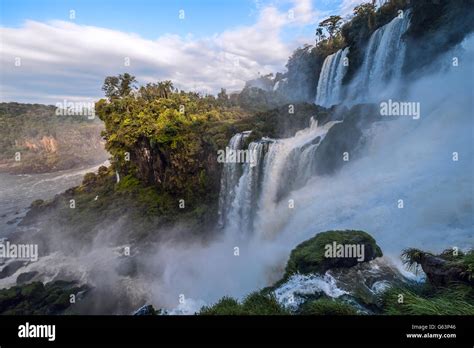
x=332 y=25
x=366 y=10
x=127 y=84
x=119 y=86
x=110 y=87
x=165 y=88
x=151 y=91
x=222 y=97
x=320 y=34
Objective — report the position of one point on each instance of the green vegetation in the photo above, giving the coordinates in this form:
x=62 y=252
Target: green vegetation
x=254 y=304
x=451 y=265
x=405 y=298
x=37 y=298
x=171 y=138
x=327 y=306
x=457 y=299
x=309 y=256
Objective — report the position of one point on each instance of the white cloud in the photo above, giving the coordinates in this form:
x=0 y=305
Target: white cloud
x=63 y=58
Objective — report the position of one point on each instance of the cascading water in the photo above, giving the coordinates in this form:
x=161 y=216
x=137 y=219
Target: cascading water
x=382 y=63
x=230 y=177
x=403 y=159
x=239 y=215
x=384 y=56
x=329 y=91
x=280 y=166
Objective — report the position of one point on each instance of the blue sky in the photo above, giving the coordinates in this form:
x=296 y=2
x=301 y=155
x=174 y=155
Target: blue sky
x=219 y=43
x=148 y=18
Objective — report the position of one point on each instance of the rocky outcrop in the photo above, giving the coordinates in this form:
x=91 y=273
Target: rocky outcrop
x=344 y=140
x=330 y=250
x=448 y=267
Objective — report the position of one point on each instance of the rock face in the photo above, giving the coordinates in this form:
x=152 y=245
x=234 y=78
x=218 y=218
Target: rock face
x=443 y=269
x=34 y=139
x=345 y=137
x=323 y=252
x=151 y=162
x=146 y=310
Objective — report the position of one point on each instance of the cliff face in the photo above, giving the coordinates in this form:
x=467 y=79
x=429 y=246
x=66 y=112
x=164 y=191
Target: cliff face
x=435 y=28
x=172 y=170
x=35 y=140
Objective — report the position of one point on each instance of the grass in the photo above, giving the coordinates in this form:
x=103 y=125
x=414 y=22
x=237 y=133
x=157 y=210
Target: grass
x=457 y=299
x=255 y=303
x=327 y=306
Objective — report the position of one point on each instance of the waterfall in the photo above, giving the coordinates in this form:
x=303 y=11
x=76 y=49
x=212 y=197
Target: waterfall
x=229 y=178
x=382 y=63
x=280 y=166
x=241 y=212
x=384 y=58
x=289 y=164
x=329 y=90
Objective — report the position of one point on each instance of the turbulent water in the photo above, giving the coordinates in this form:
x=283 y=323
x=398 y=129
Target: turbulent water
x=405 y=158
x=268 y=207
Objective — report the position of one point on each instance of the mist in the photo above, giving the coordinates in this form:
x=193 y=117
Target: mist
x=405 y=158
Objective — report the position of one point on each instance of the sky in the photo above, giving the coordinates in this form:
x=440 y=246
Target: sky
x=56 y=50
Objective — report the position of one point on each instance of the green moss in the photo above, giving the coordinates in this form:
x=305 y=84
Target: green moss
x=327 y=306
x=309 y=256
x=37 y=203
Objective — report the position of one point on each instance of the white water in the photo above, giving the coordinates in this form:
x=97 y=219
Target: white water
x=329 y=91
x=384 y=58
x=229 y=178
x=261 y=185
x=383 y=62
x=291 y=293
x=409 y=159
x=404 y=159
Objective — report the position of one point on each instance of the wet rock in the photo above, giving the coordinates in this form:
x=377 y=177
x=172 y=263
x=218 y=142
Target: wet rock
x=447 y=267
x=11 y=267
x=145 y=310
x=25 y=277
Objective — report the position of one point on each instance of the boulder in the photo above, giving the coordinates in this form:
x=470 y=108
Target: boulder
x=332 y=249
